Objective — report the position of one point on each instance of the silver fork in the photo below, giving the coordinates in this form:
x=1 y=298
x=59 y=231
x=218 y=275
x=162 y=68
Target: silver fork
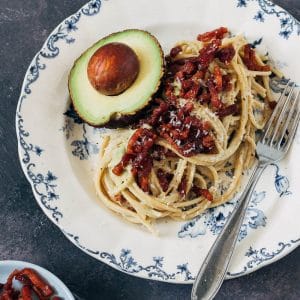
x=274 y=143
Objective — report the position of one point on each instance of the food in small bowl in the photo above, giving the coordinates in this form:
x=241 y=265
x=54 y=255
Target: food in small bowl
x=25 y=281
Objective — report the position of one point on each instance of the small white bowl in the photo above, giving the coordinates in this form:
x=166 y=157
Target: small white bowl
x=8 y=266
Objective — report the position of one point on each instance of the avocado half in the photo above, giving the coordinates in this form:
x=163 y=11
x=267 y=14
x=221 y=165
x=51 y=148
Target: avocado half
x=98 y=109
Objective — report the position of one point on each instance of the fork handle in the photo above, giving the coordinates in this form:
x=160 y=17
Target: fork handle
x=214 y=268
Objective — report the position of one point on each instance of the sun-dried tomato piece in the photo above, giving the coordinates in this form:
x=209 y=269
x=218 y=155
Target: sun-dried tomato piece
x=226 y=54
x=250 y=60
x=218 y=33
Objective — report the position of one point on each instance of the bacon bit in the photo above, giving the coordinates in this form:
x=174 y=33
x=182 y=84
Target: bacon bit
x=31 y=281
x=180 y=75
x=182 y=187
x=119 y=198
x=138 y=153
x=226 y=54
x=226 y=84
x=169 y=93
x=202 y=192
x=119 y=168
x=250 y=61
x=218 y=79
x=208 y=141
x=141 y=141
x=188 y=68
x=37 y=281
x=228 y=110
x=25 y=293
x=158 y=112
x=193 y=92
x=175 y=51
x=198 y=75
x=207 y=54
x=206 y=194
x=204 y=97
x=215 y=34
x=164 y=179
x=159 y=153
x=215 y=100
x=184 y=131
x=8 y=291
x=187 y=84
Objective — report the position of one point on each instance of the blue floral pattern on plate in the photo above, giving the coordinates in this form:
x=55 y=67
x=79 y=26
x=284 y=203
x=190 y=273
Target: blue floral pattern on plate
x=215 y=218
x=288 y=24
x=45 y=184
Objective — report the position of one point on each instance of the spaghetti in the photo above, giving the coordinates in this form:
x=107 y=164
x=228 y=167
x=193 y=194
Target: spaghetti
x=189 y=152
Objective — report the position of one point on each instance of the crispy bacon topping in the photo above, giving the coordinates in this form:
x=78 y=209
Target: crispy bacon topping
x=175 y=51
x=251 y=62
x=172 y=116
x=138 y=154
x=225 y=55
x=202 y=193
x=182 y=187
x=207 y=54
x=164 y=179
x=32 y=282
x=184 y=131
x=228 y=110
x=215 y=34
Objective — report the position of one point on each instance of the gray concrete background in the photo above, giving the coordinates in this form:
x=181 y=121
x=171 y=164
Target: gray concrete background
x=26 y=233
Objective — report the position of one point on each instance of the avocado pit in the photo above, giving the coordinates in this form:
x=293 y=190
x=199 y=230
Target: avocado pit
x=113 y=68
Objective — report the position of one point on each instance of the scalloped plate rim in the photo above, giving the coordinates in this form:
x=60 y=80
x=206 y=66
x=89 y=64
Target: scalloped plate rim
x=23 y=166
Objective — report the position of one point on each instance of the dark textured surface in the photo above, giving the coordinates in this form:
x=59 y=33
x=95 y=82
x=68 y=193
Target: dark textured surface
x=25 y=232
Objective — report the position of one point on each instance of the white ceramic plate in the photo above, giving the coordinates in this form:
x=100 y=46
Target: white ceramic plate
x=58 y=152
x=8 y=266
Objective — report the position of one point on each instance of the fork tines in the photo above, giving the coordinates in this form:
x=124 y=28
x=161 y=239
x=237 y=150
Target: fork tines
x=282 y=126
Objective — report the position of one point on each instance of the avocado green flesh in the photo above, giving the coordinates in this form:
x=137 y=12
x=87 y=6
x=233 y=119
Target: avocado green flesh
x=96 y=108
